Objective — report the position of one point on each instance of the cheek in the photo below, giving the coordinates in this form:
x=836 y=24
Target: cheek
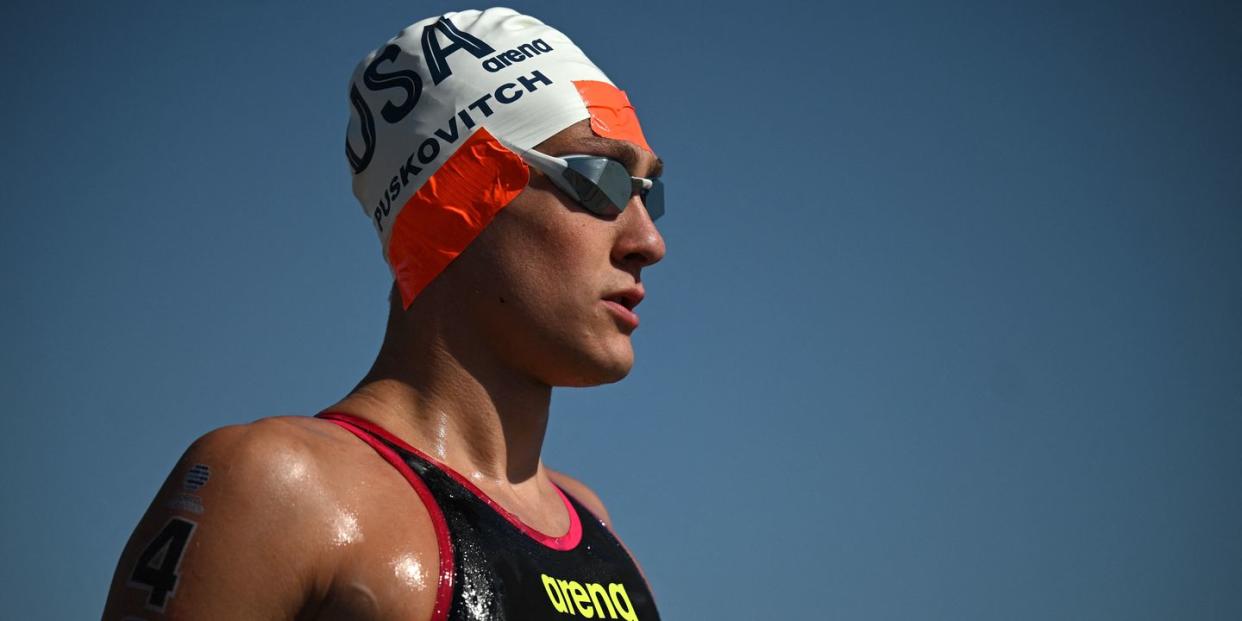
x=545 y=250
x=549 y=266
x=552 y=273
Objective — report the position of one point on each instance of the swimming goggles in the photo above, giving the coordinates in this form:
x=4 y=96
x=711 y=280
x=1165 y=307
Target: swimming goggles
x=600 y=184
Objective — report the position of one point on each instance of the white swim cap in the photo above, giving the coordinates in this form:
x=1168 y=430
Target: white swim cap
x=427 y=110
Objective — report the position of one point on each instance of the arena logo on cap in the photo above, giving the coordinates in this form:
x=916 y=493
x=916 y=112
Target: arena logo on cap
x=516 y=55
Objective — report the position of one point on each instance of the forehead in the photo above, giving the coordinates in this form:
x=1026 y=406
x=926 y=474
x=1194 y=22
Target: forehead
x=578 y=138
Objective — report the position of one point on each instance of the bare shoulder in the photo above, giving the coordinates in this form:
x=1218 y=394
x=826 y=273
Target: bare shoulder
x=581 y=493
x=236 y=500
x=265 y=465
x=258 y=520
x=291 y=440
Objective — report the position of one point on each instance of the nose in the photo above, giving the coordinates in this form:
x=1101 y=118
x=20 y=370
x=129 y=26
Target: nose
x=639 y=242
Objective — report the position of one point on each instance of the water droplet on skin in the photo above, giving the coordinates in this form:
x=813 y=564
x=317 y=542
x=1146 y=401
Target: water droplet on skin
x=345 y=529
x=410 y=571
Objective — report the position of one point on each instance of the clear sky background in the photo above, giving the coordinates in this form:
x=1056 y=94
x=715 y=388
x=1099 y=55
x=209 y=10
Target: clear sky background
x=950 y=324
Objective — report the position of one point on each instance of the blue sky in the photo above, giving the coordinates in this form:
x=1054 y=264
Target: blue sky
x=949 y=327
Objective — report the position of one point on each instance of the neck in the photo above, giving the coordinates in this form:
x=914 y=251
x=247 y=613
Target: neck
x=456 y=403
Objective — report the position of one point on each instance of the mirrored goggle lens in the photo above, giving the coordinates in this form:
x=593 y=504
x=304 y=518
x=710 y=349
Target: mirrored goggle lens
x=604 y=186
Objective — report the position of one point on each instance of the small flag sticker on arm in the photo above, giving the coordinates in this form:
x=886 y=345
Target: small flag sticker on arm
x=196 y=477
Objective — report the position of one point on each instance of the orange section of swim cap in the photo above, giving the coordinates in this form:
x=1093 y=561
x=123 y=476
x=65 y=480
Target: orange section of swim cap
x=612 y=116
x=451 y=209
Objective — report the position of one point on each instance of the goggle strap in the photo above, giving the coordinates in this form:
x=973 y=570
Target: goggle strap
x=551 y=166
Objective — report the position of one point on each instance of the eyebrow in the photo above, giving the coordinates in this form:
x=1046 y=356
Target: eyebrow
x=624 y=152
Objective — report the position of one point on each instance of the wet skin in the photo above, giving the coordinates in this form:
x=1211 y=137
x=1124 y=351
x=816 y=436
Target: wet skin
x=302 y=520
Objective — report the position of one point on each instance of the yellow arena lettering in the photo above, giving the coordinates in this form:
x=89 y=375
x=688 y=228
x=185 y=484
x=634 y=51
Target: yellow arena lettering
x=580 y=597
x=597 y=590
x=617 y=591
x=590 y=600
x=554 y=593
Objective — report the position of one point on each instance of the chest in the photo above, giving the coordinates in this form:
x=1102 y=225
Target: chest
x=476 y=561
x=494 y=571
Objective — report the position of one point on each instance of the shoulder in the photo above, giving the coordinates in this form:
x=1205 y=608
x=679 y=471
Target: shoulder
x=267 y=463
x=302 y=433
x=279 y=511
x=252 y=443
x=249 y=451
x=236 y=499
x=317 y=480
x=581 y=493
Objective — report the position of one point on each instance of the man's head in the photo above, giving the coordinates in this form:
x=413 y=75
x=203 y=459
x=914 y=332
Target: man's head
x=444 y=121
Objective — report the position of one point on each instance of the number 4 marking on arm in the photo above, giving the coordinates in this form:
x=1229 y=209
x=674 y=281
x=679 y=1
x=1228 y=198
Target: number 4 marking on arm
x=157 y=565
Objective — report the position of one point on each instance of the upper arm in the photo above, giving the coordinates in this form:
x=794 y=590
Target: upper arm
x=219 y=540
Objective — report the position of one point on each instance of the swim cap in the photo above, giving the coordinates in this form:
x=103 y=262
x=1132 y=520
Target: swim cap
x=431 y=113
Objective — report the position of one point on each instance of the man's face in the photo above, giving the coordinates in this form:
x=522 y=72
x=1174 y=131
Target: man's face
x=536 y=278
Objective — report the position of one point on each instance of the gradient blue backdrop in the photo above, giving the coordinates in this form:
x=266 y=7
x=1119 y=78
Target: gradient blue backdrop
x=950 y=325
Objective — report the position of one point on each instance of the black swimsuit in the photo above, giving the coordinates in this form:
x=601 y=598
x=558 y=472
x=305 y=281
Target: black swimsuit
x=493 y=567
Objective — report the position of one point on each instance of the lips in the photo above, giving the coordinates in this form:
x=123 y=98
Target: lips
x=621 y=304
x=629 y=298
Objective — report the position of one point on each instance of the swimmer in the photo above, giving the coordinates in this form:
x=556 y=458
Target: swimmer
x=514 y=195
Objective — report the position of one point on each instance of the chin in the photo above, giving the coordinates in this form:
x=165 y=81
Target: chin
x=596 y=370
x=589 y=381
x=609 y=377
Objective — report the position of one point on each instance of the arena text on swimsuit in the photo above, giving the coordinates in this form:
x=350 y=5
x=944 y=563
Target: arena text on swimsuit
x=591 y=600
